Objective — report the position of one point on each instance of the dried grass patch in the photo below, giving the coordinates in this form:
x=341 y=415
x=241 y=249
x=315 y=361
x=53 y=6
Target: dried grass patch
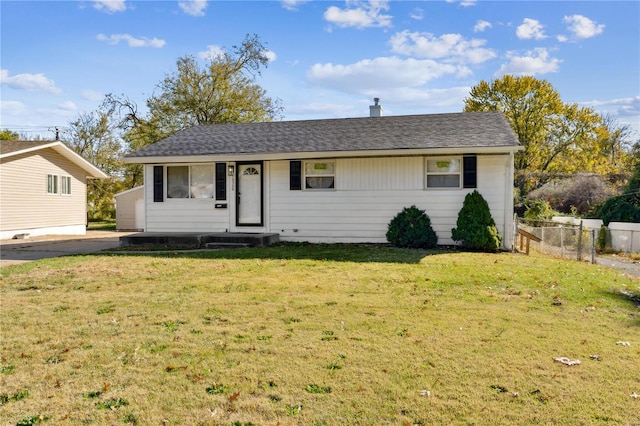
x=317 y=335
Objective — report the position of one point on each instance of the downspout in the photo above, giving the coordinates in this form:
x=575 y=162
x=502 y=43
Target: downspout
x=508 y=204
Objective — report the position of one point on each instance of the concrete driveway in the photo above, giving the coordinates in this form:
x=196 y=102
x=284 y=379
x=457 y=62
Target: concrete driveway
x=13 y=252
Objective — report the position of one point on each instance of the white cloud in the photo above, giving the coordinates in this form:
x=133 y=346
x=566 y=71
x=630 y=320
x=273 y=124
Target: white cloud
x=562 y=38
x=448 y=46
x=193 y=7
x=464 y=3
x=625 y=106
x=110 y=6
x=271 y=55
x=374 y=75
x=68 y=106
x=583 y=27
x=12 y=108
x=293 y=4
x=91 y=95
x=481 y=26
x=422 y=100
x=213 y=51
x=625 y=110
x=417 y=14
x=29 y=82
x=530 y=29
x=131 y=40
x=362 y=15
x=535 y=62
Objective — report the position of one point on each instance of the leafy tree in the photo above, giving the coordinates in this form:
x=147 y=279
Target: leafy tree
x=475 y=228
x=93 y=137
x=633 y=185
x=625 y=207
x=575 y=194
x=556 y=137
x=8 y=135
x=412 y=228
x=539 y=210
x=222 y=91
x=530 y=105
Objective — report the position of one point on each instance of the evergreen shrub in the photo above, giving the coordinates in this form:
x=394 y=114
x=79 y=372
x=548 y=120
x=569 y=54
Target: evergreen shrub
x=411 y=228
x=475 y=228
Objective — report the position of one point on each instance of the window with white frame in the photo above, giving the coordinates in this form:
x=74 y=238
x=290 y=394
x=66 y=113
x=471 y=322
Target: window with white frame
x=319 y=174
x=65 y=185
x=52 y=184
x=443 y=172
x=197 y=181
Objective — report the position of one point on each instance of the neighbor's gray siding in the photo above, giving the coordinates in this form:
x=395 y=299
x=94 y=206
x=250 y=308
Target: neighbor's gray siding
x=25 y=204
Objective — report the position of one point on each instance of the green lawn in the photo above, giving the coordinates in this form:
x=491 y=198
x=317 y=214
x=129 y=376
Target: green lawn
x=105 y=225
x=313 y=335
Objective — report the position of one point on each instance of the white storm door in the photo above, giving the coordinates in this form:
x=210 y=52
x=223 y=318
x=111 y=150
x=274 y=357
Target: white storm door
x=249 y=194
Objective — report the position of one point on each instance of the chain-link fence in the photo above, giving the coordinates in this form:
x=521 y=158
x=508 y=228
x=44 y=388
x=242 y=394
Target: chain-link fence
x=558 y=239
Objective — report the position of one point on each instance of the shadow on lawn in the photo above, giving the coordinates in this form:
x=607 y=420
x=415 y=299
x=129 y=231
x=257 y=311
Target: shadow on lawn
x=630 y=298
x=282 y=251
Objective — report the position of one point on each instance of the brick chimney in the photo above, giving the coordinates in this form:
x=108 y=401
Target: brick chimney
x=375 y=110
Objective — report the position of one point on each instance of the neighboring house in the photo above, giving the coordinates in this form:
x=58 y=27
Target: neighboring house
x=130 y=209
x=43 y=189
x=335 y=180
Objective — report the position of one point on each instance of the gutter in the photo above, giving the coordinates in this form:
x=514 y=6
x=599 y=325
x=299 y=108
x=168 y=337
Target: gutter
x=324 y=154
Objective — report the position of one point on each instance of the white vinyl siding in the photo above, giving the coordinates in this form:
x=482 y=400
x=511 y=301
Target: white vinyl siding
x=26 y=205
x=126 y=213
x=381 y=174
x=182 y=214
x=368 y=193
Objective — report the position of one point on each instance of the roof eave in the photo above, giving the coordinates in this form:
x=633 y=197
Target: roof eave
x=92 y=171
x=322 y=154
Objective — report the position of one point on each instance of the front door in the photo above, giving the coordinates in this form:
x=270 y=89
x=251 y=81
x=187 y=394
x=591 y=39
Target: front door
x=249 y=194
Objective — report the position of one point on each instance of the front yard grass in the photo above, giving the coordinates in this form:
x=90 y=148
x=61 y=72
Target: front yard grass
x=318 y=335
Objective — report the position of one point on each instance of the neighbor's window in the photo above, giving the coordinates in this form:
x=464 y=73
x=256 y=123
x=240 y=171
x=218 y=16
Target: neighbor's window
x=191 y=181
x=319 y=174
x=65 y=185
x=443 y=172
x=52 y=184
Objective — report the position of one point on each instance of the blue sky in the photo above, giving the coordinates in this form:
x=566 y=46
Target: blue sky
x=328 y=59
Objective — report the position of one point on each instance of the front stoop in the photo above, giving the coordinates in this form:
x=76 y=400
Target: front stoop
x=214 y=240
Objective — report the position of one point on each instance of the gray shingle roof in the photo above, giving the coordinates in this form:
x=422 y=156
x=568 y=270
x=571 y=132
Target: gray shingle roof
x=7 y=147
x=459 y=130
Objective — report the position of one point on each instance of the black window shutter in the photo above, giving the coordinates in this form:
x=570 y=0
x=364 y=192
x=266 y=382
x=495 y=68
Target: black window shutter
x=221 y=181
x=470 y=171
x=295 y=175
x=158 y=187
